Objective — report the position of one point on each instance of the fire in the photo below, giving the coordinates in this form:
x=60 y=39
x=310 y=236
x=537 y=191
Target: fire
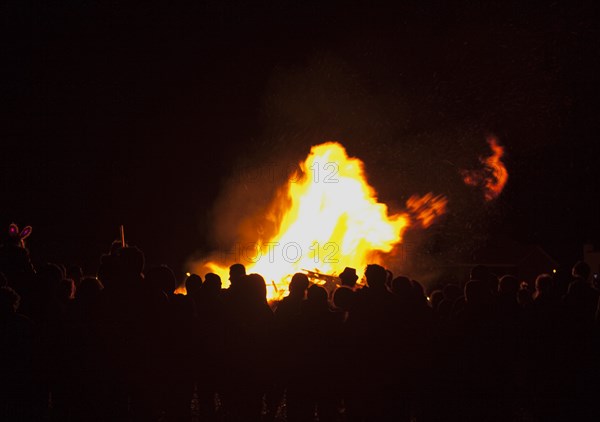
x=427 y=208
x=493 y=176
x=331 y=219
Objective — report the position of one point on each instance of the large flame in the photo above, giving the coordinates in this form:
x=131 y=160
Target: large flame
x=493 y=176
x=331 y=220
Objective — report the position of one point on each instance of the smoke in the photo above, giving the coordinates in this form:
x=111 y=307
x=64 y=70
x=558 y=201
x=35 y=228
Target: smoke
x=326 y=99
x=303 y=106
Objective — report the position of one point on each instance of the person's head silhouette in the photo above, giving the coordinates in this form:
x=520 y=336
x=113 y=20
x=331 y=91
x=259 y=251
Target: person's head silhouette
x=237 y=273
x=348 y=277
x=298 y=285
x=376 y=276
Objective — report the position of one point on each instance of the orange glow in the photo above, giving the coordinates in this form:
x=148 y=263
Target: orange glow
x=493 y=176
x=427 y=208
x=328 y=218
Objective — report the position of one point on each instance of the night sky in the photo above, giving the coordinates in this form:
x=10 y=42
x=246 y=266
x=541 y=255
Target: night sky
x=143 y=116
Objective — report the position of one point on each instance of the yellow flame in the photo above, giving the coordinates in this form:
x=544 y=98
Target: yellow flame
x=331 y=220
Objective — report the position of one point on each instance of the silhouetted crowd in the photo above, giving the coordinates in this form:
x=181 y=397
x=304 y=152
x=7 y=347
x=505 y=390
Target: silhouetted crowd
x=122 y=346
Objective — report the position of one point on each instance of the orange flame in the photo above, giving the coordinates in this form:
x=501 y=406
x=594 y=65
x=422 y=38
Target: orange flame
x=493 y=176
x=426 y=209
x=331 y=220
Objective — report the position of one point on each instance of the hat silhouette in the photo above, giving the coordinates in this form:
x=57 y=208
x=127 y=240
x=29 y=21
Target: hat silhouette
x=348 y=274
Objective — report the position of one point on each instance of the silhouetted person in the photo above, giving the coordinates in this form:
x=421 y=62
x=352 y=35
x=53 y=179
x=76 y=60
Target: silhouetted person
x=62 y=384
x=248 y=330
x=288 y=310
x=212 y=285
x=548 y=311
x=581 y=299
x=14 y=262
x=415 y=325
x=237 y=276
x=545 y=291
x=310 y=387
x=108 y=270
x=436 y=298
x=235 y=294
x=193 y=284
x=75 y=273
x=127 y=322
x=89 y=289
x=373 y=323
x=66 y=291
x=540 y=374
x=525 y=297
x=348 y=277
x=451 y=294
x=161 y=278
x=388 y=280
x=80 y=348
x=343 y=299
x=410 y=297
x=288 y=326
x=16 y=266
x=485 y=275
x=209 y=362
x=166 y=383
x=343 y=368
x=402 y=288
x=21 y=399
x=580 y=304
x=47 y=312
x=479 y=337
x=508 y=307
x=508 y=286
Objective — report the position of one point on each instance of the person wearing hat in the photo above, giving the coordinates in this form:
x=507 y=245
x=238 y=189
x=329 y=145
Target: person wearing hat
x=348 y=277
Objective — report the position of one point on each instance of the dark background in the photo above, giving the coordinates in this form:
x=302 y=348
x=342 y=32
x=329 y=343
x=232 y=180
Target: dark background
x=140 y=115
